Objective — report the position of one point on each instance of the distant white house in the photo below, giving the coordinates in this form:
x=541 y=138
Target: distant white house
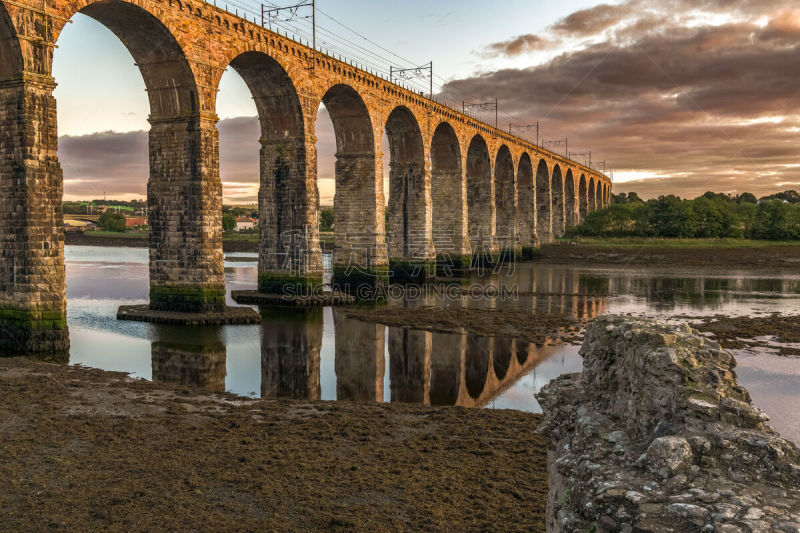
x=245 y=223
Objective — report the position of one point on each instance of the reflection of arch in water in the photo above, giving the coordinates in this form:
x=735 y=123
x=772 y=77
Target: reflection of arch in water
x=477 y=364
x=201 y=365
x=484 y=361
x=409 y=365
x=447 y=359
x=360 y=361
x=291 y=341
x=501 y=357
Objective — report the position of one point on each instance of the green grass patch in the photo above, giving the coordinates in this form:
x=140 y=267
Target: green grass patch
x=117 y=235
x=241 y=237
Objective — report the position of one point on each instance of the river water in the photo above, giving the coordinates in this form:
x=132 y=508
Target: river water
x=324 y=355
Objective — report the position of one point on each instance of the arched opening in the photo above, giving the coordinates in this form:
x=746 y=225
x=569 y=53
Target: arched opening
x=557 y=191
x=569 y=199
x=599 y=196
x=359 y=209
x=448 y=201
x=410 y=241
x=526 y=207
x=505 y=203
x=479 y=199
x=591 y=199
x=288 y=199
x=477 y=367
x=583 y=198
x=544 y=224
x=184 y=195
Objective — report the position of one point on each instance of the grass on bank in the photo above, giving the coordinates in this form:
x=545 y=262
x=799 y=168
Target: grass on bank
x=657 y=242
x=117 y=235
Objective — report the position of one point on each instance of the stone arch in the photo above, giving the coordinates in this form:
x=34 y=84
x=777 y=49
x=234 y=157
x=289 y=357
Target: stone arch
x=279 y=110
x=583 y=198
x=358 y=202
x=505 y=200
x=409 y=235
x=170 y=82
x=557 y=191
x=479 y=198
x=184 y=192
x=592 y=199
x=288 y=197
x=476 y=373
x=569 y=199
x=448 y=201
x=526 y=207
x=10 y=53
x=544 y=222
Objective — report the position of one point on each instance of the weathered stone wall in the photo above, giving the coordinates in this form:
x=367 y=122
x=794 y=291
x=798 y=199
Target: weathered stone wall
x=656 y=435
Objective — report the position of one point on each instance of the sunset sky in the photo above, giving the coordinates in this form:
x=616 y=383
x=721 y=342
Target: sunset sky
x=677 y=96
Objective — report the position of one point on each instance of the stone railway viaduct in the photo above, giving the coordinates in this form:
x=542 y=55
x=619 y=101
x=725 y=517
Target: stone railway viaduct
x=459 y=188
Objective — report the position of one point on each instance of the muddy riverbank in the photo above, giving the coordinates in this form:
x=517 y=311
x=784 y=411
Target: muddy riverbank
x=763 y=256
x=93 y=450
x=774 y=331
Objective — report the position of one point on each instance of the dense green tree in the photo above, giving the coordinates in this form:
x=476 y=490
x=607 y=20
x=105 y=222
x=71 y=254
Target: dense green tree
x=792 y=197
x=228 y=222
x=112 y=222
x=746 y=198
x=326 y=219
x=777 y=220
x=711 y=215
x=672 y=217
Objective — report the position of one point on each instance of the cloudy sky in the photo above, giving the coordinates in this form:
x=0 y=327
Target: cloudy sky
x=677 y=96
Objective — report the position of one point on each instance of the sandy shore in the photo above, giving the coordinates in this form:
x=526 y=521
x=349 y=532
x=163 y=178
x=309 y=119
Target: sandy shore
x=92 y=450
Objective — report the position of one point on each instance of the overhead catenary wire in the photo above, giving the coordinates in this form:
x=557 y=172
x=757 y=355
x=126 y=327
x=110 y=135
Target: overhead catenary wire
x=373 y=60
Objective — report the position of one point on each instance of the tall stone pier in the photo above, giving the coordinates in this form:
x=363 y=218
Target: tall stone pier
x=33 y=315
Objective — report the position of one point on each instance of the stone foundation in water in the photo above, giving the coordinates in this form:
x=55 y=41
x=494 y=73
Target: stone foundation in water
x=656 y=435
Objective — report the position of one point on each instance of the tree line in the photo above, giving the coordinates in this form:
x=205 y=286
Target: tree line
x=710 y=216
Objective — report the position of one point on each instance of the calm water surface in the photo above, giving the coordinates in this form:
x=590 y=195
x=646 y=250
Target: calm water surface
x=321 y=354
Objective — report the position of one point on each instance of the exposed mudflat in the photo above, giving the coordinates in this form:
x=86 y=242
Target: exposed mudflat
x=86 y=450
x=738 y=332
x=718 y=257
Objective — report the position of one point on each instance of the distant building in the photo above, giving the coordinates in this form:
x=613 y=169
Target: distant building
x=245 y=223
x=135 y=222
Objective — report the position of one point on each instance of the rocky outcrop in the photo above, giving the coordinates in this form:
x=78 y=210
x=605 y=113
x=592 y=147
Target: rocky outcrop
x=656 y=435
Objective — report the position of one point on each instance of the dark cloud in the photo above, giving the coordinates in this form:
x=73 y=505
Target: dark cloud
x=117 y=164
x=593 y=20
x=518 y=45
x=710 y=106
